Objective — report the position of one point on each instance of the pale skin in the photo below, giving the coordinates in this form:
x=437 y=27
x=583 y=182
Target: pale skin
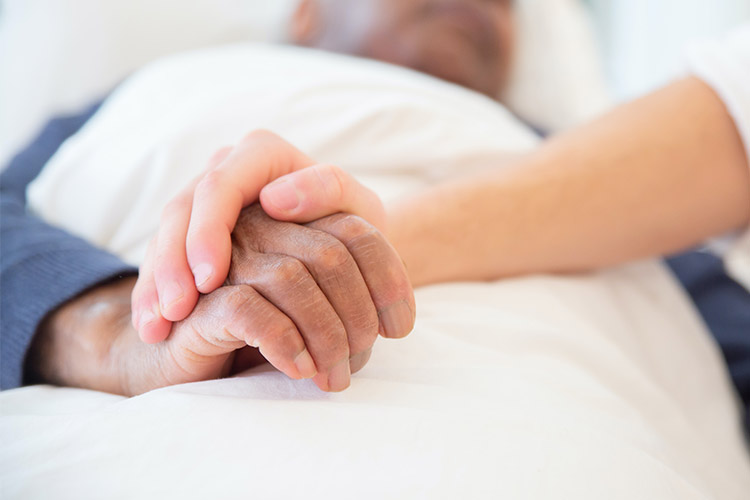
x=653 y=177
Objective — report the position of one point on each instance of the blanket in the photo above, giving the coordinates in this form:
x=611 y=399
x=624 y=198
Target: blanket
x=605 y=385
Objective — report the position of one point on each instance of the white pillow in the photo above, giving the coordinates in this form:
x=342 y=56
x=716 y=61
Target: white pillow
x=558 y=79
x=59 y=55
x=167 y=120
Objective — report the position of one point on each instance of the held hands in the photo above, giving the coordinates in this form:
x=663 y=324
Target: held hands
x=313 y=298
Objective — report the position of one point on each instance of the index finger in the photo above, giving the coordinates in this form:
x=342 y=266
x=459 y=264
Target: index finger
x=223 y=192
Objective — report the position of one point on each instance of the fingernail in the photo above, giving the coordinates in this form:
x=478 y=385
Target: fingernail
x=202 y=273
x=358 y=361
x=397 y=320
x=340 y=377
x=283 y=195
x=305 y=365
x=171 y=294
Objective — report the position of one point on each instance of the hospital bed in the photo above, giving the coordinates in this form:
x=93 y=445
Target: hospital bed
x=604 y=385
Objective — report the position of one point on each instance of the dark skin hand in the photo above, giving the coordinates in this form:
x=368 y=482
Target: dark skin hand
x=301 y=297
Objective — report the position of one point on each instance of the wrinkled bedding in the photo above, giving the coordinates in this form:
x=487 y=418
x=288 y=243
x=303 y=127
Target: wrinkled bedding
x=598 y=386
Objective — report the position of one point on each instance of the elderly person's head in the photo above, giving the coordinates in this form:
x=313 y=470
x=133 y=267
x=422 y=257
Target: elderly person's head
x=468 y=42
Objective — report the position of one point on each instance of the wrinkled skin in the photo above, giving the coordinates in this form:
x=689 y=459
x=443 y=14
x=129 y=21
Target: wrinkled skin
x=291 y=289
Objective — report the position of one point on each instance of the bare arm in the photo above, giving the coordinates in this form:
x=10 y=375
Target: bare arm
x=654 y=176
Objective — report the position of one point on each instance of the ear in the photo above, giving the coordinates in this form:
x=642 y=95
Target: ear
x=306 y=23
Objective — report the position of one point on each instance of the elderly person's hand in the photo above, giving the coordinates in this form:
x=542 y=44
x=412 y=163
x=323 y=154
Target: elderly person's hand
x=320 y=283
x=90 y=342
x=297 y=293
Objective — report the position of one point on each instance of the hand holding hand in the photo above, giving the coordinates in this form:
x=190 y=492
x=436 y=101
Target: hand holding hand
x=192 y=251
x=334 y=284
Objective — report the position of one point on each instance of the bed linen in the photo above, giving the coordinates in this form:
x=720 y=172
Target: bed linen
x=82 y=49
x=598 y=386
x=539 y=388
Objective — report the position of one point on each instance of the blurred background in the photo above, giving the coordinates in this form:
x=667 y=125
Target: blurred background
x=643 y=40
x=577 y=57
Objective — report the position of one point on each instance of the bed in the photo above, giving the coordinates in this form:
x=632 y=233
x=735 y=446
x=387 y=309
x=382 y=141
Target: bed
x=604 y=385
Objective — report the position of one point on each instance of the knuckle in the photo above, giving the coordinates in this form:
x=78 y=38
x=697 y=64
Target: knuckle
x=327 y=343
x=209 y=183
x=288 y=270
x=241 y=302
x=339 y=174
x=333 y=180
x=331 y=254
x=175 y=206
x=281 y=339
x=354 y=228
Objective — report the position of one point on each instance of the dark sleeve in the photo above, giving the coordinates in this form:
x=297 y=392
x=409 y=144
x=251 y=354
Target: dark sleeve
x=725 y=307
x=41 y=267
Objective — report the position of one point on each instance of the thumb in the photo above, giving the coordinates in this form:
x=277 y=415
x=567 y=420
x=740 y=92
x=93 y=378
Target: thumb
x=318 y=191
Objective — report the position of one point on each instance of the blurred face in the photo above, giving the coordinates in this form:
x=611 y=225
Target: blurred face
x=467 y=42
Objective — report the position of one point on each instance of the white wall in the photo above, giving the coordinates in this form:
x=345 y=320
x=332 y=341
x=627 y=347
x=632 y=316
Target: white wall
x=644 y=39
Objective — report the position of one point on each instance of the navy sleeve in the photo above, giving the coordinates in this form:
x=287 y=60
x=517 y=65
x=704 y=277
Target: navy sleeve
x=41 y=267
x=725 y=307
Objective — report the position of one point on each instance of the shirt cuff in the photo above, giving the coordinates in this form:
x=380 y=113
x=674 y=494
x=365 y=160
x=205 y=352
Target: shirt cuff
x=725 y=66
x=51 y=279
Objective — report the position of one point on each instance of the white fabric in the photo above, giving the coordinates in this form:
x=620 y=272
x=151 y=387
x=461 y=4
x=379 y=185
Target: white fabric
x=558 y=80
x=59 y=55
x=725 y=65
x=211 y=99
x=600 y=386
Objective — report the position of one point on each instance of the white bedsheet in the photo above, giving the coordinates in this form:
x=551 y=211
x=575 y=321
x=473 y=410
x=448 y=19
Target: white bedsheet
x=594 y=387
x=600 y=386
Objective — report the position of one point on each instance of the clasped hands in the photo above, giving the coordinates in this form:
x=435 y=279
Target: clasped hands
x=266 y=255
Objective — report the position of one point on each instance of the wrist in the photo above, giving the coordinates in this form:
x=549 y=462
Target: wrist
x=76 y=345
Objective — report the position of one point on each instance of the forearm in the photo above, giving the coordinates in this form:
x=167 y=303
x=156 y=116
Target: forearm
x=654 y=176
